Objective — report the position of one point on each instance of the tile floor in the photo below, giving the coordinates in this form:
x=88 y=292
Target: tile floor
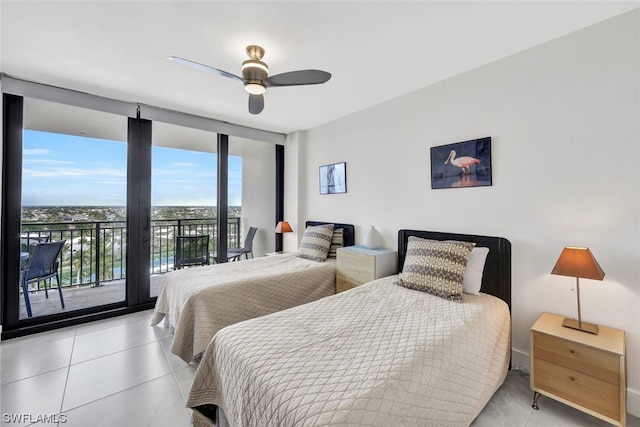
x=114 y=372
x=120 y=372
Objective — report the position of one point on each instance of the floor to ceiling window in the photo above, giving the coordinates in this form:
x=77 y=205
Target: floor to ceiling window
x=73 y=229
x=183 y=194
x=92 y=202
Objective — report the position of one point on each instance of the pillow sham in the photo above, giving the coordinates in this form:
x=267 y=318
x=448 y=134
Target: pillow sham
x=315 y=242
x=475 y=268
x=436 y=267
x=337 y=241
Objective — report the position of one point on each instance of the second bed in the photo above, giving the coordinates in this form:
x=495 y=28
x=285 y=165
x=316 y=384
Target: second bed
x=200 y=301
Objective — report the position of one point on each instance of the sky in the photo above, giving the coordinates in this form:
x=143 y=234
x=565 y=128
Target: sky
x=66 y=170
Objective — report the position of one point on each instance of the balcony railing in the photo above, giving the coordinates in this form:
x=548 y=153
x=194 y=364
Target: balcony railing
x=95 y=251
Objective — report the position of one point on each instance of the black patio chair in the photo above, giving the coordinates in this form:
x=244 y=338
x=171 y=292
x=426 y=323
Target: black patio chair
x=28 y=244
x=42 y=265
x=236 y=253
x=191 y=250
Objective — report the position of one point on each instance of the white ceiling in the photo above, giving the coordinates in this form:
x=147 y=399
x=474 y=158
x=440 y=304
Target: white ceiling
x=375 y=50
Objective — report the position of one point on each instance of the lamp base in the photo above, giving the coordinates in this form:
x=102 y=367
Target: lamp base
x=581 y=326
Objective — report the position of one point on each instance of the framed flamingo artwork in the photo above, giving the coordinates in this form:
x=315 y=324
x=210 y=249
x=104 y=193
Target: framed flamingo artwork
x=463 y=164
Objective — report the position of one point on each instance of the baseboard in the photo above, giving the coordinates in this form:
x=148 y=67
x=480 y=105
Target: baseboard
x=520 y=361
x=633 y=403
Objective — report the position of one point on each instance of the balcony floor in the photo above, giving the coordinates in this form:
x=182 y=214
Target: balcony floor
x=81 y=297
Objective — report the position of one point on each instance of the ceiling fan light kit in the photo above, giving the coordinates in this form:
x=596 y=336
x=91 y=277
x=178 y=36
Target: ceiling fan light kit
x=255 y=75
x=255 y=87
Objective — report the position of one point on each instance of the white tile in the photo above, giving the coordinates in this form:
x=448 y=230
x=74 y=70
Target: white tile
x=101 y=377
x=111 y=340
x=160 y=331
x=156 y=403
x=40 y=337
x=175 y=362
x=41 y=394
x=28 y=358
x=113 y=321
x=510 y=406
x=184 y=378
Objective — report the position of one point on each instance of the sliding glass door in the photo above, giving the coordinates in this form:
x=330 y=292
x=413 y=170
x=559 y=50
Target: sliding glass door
x=93 y=202
x=183 y=194
x=74 y=191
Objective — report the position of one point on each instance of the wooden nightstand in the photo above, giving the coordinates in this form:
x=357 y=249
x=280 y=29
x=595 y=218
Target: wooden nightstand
x=580 y=369
x=357 y=265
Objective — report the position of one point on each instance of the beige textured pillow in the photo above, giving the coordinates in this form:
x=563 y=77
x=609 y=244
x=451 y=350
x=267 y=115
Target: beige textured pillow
x=315 y=242
x=436 y=267
x=337 y=241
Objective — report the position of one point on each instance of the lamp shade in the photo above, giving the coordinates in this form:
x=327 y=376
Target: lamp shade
x=578 y=262
x=283 y=227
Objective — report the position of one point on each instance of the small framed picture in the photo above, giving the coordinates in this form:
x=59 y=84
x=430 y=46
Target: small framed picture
x=463 y=164
x=333 y=178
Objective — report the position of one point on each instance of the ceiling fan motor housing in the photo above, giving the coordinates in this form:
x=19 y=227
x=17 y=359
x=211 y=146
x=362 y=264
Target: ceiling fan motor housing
x=254 y=69
x=254 y=73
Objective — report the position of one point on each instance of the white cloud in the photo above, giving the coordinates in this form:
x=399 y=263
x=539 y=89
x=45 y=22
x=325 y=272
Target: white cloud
x=54 y=173
x=35 y=151
x=184 y=165
x=47 y=162
x=71 y=172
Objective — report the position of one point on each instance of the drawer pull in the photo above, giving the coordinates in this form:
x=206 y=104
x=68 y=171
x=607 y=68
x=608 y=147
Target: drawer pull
x=572 y=378
x=572 y=351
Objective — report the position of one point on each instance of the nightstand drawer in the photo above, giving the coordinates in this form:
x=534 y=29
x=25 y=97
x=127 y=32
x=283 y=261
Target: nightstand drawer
x=588 y=392
x=590 y=361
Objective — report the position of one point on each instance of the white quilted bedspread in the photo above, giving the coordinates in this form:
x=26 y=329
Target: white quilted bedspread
x=378 y=355
x=202 y=300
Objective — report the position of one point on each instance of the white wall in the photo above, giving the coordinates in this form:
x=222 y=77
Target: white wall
x=564 y=120
x=292 y=188
x=258 y=195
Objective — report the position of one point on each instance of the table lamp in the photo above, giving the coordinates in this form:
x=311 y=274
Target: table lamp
x=578 y=262
x=283 y=227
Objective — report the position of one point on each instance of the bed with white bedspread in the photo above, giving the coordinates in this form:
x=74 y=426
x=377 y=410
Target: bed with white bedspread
x=200 y=301
x=377 y=355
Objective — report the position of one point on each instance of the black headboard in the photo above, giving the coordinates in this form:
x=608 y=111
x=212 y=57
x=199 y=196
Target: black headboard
x=496 y=279
x=349 y=230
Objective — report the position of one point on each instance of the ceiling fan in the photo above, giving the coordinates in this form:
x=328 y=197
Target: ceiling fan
x=255 y=76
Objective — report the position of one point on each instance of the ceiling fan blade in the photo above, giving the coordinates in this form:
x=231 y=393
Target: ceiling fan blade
x=256 y=104
x=203 y=67
x=297 y=78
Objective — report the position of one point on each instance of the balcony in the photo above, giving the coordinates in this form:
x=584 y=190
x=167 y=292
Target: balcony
x=94 y=258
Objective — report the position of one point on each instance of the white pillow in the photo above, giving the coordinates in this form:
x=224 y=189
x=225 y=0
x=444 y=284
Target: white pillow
x=473 y=274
